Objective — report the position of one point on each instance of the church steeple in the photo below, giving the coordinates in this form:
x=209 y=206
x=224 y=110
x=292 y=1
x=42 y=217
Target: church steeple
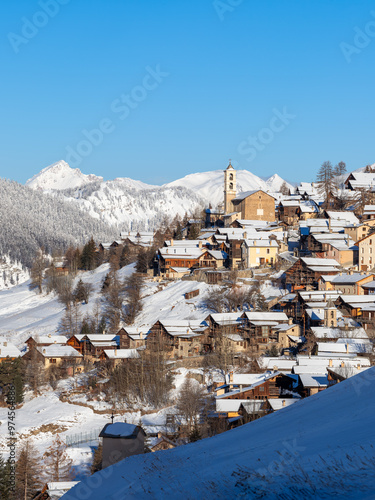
x=230 y=188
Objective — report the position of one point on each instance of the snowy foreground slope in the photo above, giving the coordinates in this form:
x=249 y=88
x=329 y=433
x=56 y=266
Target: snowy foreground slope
x=321 y=447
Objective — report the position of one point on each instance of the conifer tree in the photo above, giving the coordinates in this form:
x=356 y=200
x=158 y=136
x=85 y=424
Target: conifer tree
x=88 y=256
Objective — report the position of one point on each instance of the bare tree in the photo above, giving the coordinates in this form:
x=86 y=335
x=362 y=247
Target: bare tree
x=325 y=181
x=190 y=402
x=133 y=292
x=27 y=472
x=37 y=271
x=57 y=462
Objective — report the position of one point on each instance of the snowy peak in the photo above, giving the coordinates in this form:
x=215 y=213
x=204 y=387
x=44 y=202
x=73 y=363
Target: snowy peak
x=275 y=182
x=59 y=176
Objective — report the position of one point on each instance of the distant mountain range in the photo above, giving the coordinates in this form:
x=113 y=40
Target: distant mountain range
x=133 y=204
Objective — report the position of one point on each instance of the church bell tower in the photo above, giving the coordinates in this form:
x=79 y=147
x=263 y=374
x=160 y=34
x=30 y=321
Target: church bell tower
x=230 y=189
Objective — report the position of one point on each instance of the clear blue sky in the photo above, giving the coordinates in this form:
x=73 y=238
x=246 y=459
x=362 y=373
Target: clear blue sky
x=223 y=67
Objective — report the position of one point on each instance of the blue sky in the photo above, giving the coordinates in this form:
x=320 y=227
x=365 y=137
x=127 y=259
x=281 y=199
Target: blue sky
x=158 y=89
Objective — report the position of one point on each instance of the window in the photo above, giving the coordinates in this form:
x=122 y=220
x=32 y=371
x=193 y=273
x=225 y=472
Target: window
x=52 y=360
x=260 y=211
x=258 y=250
x=231 y=177
x=231 y=185
x=362 y=250
x=261 y=389
x=268 y=250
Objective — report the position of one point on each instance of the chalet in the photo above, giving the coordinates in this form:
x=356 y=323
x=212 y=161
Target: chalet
x=348 y=283
x=271 y=385
x=54 y=490
x=177 y=338
x=45 y=340
x=177 y=261
x=343 y=250
x=259 y=252
x=357 y=181
x=117 y=356
x=344 y=346
x=272 y=405
x=329 y=334
x=163 y=443
x=132 y=337
x=312 y=383
x=8 y=350
x=368 y=212
x=341 y=373
x=307 y=271
x=261 y=332
x=56 y=355
x=93 y=344
x=213 y=258
x=288 y=210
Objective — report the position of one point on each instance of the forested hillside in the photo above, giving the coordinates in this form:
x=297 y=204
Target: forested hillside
x=31 y=219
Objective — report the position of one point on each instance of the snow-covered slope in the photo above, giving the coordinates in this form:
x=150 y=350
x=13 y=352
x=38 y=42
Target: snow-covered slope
x=322 y=447
x=131 y=203
x=60 y=176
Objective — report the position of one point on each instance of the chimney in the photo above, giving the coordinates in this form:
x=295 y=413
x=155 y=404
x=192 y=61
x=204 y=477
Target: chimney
x=283 y=402
x=49 y=335
x=330 y=364
x=231 y=377
x=358 y=366
x=290 y=321
x=141 y=335
x=245 y=235
x=172 y=242
x=347 y=348
x=342 y=364
x=200 y=244
x=115 y=351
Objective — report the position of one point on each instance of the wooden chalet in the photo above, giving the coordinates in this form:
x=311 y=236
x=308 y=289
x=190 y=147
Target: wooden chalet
x=262 y=330
x=307 y=271
x=118 y=356
x=45 y=340
x=132 y=337
x=92 y=345
x=178 y=338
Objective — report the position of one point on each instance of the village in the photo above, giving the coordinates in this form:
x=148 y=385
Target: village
x=313 y=329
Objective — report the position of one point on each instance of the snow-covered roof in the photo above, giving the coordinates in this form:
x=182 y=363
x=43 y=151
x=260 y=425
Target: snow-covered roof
x=313 y=380
x=121 y=353
x=322 y=332
x=181 y=252
x=8 y=349
x=346 y=279
x=312 y=261
x=119 y=430
x=49 y=339
x=343 y=216
x=266 y=316
x=279 y=404
x=59 y=351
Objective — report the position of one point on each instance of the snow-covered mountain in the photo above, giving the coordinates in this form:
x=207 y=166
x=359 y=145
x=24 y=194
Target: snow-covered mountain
x=60 y=176
x=133 y=204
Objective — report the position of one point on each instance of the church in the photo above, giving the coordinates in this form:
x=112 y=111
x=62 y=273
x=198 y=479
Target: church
x=249 y=205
